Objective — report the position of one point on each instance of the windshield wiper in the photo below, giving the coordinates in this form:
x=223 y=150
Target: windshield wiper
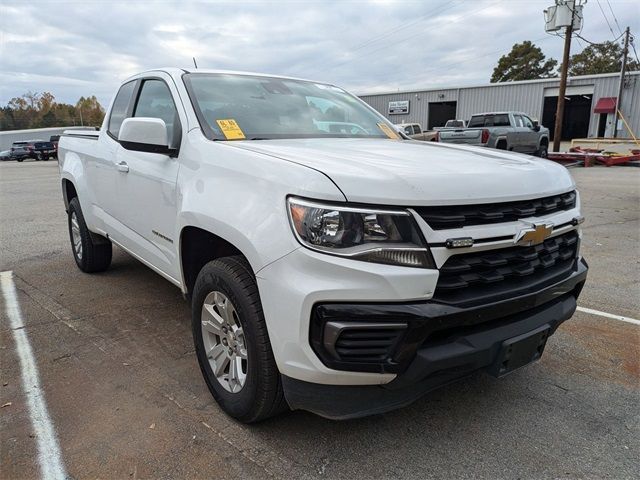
x=258 y=138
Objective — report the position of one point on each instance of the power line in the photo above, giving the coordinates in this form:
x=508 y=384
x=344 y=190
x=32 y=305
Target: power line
x=599 y=43
x=448 y=66
x=384 y=47
x=614 y=17
x=634 y=49
x=392 y=31
x=605 y=18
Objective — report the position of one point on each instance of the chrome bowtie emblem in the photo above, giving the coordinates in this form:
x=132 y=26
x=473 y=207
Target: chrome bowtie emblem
x=533 y=235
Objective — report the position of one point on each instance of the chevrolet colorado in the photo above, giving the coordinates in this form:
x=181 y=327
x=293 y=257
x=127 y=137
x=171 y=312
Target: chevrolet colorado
x=343 y=271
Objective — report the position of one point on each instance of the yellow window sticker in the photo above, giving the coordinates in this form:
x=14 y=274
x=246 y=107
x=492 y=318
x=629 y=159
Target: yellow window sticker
x=230 y=129
x=388 y=131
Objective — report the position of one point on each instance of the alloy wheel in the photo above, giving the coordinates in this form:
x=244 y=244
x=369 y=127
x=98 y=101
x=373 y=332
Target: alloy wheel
x=75 y=235
x=224 y=341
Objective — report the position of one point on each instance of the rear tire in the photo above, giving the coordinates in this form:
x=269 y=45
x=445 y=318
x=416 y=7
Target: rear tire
x=502 y=145
x=92 y=252
x=225 y=301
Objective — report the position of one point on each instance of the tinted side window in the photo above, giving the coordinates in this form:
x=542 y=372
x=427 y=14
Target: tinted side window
x=155 y=101
x=527 y=122
x=518 y=120
x=120 y=108
x=477 y=121
x=501 y=121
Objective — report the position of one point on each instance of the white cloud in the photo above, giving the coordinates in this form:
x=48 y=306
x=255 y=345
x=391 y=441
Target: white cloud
x=75 y=48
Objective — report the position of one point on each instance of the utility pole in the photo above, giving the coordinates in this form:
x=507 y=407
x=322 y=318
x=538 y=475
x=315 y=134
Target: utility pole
x=557 y=131
x=625 y=52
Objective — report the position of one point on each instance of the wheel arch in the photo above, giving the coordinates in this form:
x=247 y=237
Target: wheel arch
x=69 y=192
x=196 y=248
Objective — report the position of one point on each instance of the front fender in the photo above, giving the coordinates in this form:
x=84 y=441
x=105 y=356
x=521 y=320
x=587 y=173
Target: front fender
x=240 y=196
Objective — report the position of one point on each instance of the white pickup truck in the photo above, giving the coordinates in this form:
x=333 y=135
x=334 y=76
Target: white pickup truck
x=331 y=265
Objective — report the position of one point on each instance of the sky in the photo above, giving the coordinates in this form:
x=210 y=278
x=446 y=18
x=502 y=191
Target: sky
x=75 y=48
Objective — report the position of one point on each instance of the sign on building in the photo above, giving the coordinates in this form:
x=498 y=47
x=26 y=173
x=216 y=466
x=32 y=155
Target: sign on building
x=399 y=107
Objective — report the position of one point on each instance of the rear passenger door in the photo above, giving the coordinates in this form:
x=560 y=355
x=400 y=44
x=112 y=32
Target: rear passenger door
x=146 y=182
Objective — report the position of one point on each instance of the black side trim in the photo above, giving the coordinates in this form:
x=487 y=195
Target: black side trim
x=149 y=148
x=73 y=135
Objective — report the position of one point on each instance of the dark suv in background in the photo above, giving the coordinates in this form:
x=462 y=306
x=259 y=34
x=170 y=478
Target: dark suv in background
x=36 y=149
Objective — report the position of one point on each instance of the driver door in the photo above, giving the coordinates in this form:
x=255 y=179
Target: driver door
x=146 y=183
x=530 y=136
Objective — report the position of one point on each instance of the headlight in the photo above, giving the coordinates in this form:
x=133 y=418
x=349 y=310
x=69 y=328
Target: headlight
x=380 y=236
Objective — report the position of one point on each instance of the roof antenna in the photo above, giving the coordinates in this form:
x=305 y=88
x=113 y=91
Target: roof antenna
x=194 y=62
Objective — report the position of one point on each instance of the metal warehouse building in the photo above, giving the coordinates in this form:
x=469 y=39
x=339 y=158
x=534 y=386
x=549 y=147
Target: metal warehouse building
x=589 y=105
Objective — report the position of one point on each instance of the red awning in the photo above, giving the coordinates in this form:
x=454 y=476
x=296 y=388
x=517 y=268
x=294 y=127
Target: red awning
x=606 y=105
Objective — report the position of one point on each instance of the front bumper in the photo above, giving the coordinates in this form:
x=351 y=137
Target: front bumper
x=442 y=343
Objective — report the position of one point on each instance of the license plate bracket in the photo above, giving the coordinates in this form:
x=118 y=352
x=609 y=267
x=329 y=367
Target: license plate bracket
x=519 y=351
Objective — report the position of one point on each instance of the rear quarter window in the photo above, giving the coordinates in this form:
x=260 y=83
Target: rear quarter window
x=121 y=108
x=499 y=120
x=478 y=121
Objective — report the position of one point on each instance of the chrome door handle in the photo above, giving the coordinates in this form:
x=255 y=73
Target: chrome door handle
x=122 y=167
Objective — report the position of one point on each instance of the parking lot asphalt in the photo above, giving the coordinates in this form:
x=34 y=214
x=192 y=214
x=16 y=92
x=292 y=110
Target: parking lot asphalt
x=126 y=398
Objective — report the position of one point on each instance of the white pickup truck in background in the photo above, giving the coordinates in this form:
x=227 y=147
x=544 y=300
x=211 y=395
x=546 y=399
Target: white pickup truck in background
x=331 y=265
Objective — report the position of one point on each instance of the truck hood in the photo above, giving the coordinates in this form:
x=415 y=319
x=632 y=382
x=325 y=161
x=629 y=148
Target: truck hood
x=401 y=172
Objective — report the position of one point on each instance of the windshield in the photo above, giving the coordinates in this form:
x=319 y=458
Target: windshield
x=237 y=107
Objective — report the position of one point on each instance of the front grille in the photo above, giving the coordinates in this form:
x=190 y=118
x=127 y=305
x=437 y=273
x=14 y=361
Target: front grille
x=366 y=344
x=458 y=216
x=506 y=272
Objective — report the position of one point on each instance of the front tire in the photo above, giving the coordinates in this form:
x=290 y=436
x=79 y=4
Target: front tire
x=543 y=151
x=231 y=341
x=92 y=252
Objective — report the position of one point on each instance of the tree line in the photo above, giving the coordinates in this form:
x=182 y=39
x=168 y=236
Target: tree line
x=40 y=110
x=526 y=61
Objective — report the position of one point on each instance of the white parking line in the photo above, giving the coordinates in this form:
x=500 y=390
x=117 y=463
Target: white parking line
x=51 y=466
x=633 y=321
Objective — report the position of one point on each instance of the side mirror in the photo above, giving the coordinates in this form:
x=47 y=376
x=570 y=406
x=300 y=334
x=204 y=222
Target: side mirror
x=142 y=134
x=536 y=126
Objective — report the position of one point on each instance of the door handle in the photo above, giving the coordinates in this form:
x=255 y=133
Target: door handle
x=122 y=167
